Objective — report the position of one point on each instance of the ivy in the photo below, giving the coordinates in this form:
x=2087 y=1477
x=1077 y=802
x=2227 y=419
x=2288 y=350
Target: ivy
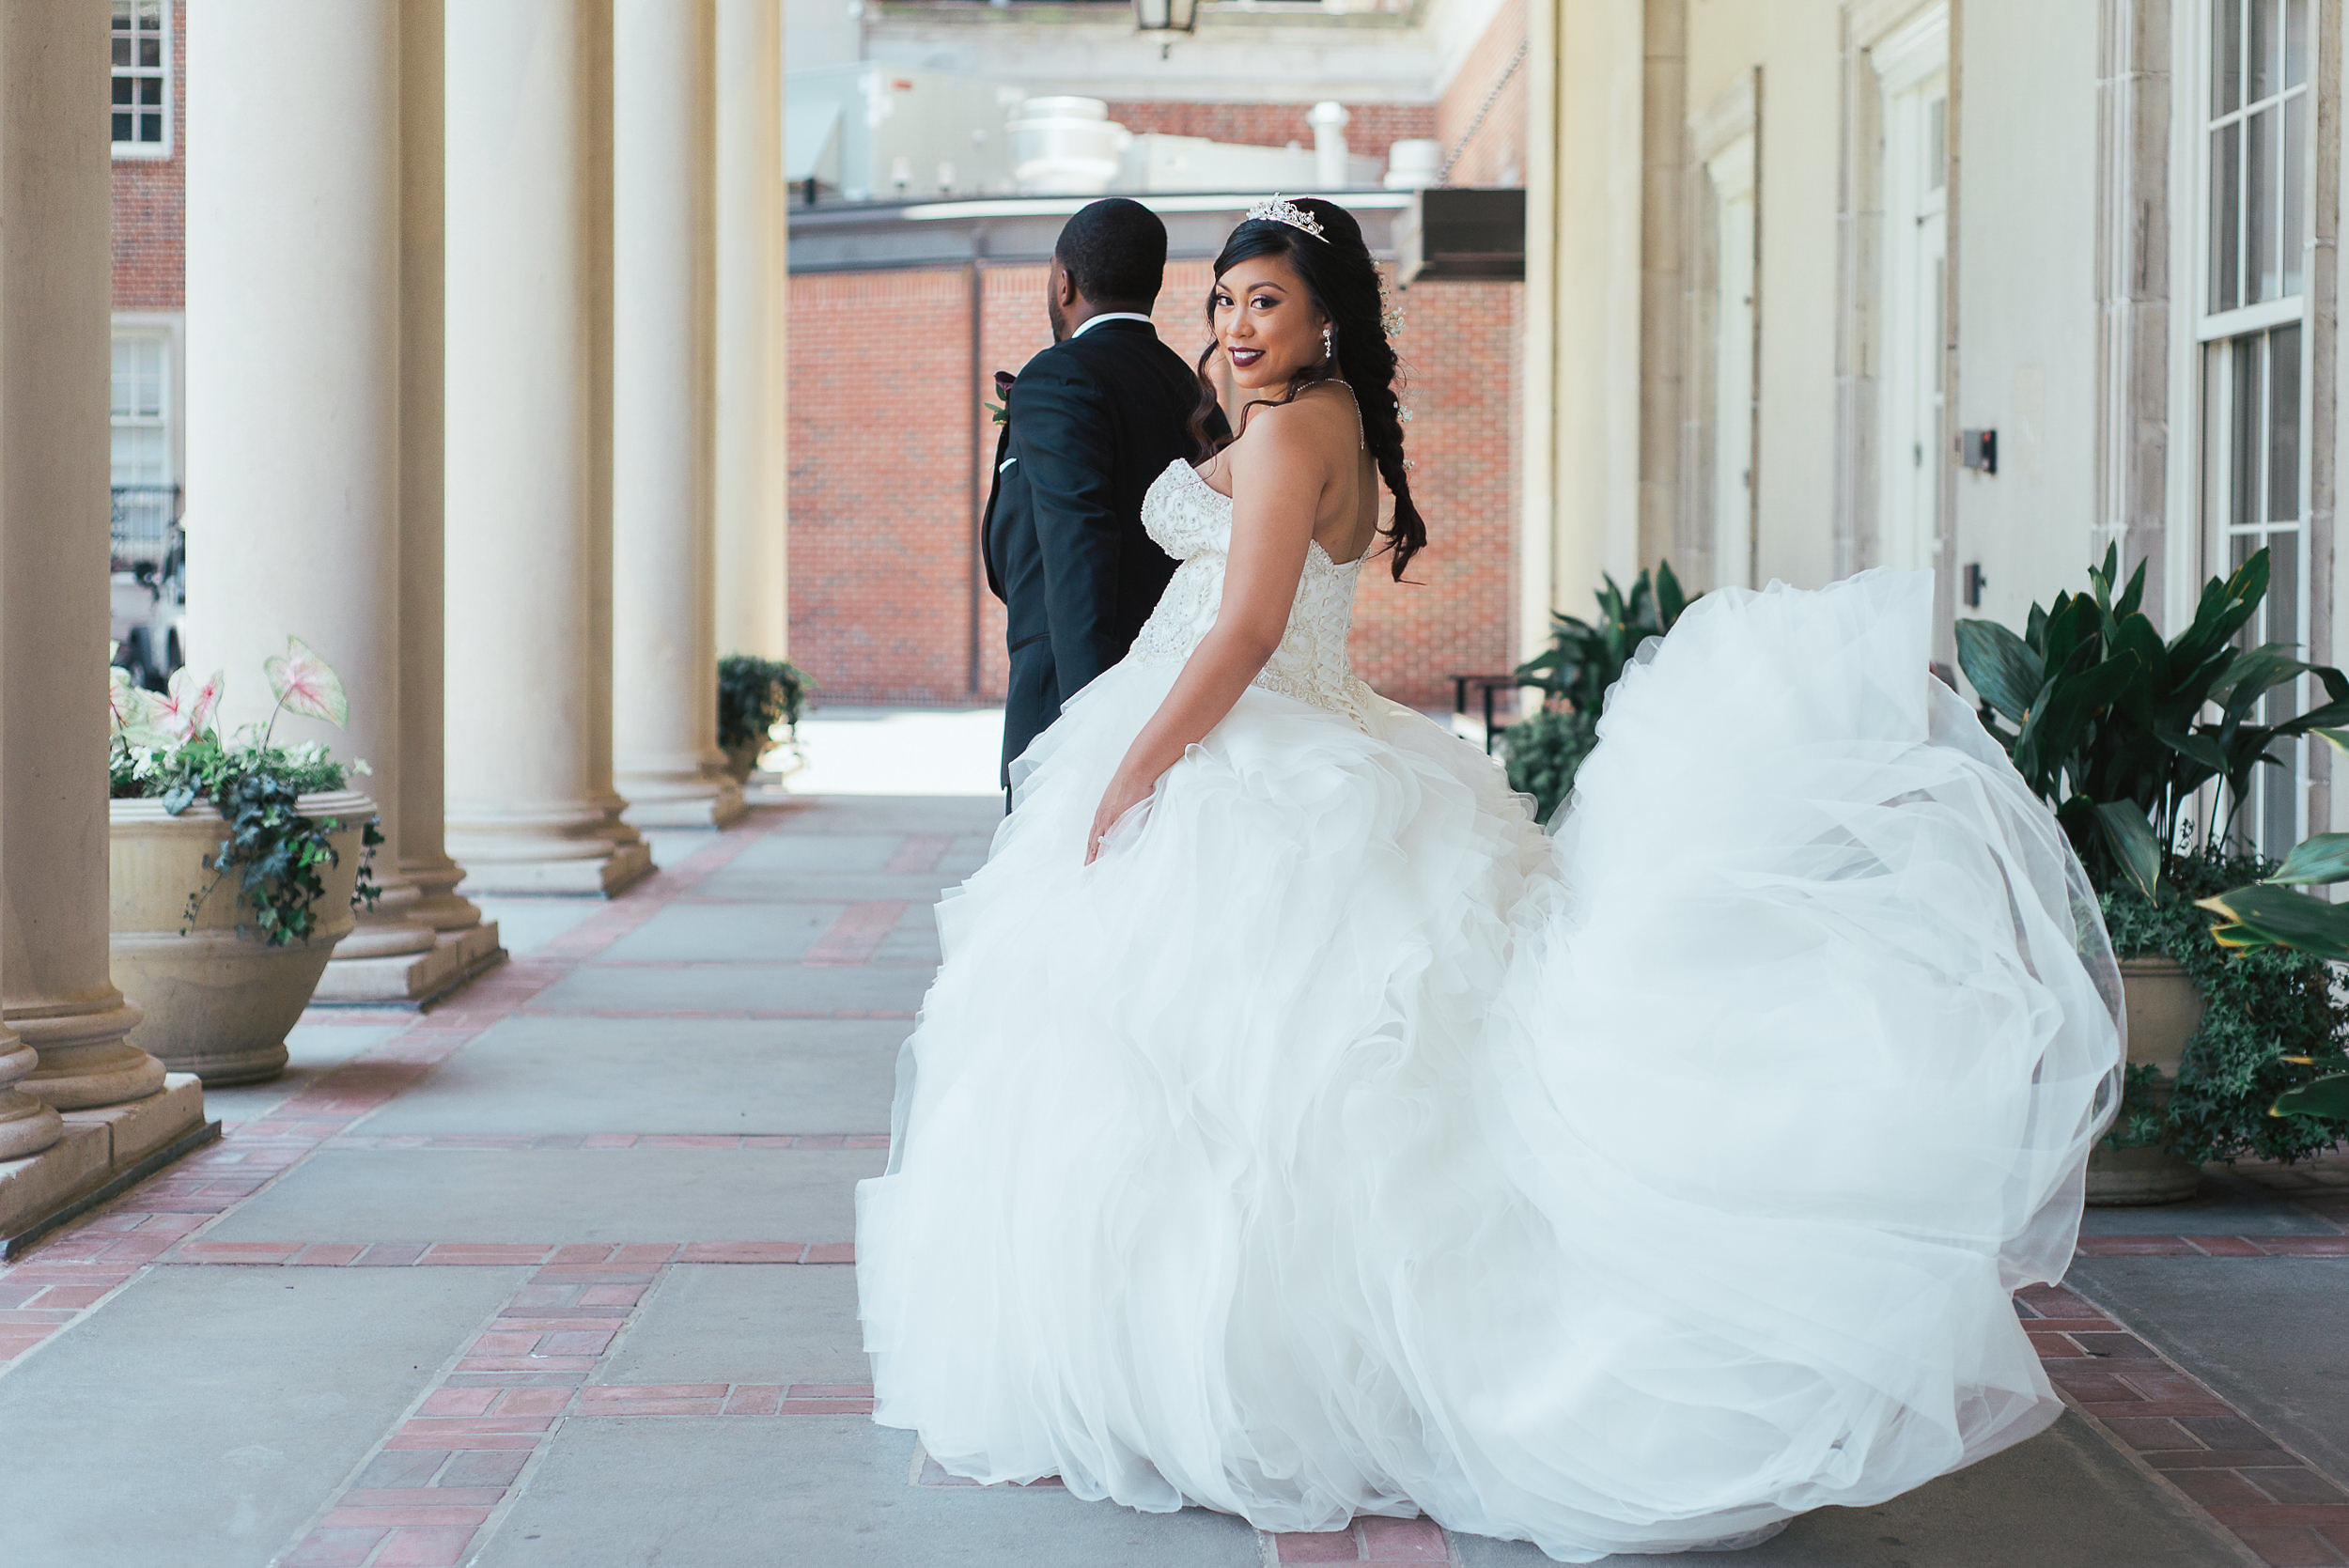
x=2271 y=1021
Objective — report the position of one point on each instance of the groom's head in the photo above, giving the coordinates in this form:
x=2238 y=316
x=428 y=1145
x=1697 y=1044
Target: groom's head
x=1112 y=255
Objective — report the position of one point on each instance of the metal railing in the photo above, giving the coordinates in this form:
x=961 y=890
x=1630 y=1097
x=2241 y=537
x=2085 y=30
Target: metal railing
x=143 y=518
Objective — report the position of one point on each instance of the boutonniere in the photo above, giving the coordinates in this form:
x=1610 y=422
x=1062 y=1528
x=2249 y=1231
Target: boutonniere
x=1000 y=412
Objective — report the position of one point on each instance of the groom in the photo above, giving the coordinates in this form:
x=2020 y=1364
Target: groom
x=1088 y=424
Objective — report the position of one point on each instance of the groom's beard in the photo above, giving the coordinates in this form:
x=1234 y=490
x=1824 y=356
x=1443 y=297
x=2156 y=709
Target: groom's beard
x=1060 y=322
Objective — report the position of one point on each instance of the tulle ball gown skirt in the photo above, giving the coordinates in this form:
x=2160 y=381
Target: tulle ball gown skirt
x=1341 y=1143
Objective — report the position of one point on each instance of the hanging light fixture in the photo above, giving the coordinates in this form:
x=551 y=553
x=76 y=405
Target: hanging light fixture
x=1166 y=16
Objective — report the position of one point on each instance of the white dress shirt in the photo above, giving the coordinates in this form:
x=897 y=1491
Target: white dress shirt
x=1091 y=321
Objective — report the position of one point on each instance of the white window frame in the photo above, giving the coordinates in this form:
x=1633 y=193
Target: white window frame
x=135 y=73
x=1912 y=69
x=150 y=538
x=1736 y=357
x=2207 y=543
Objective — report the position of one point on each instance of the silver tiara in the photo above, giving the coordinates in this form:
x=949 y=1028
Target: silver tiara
x=1280 y=211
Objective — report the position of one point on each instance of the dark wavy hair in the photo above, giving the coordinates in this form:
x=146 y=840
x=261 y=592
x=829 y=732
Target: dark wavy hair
x=1343 y=282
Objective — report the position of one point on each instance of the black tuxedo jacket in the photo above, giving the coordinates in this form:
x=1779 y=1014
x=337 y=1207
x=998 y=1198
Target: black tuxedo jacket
x=1091 y=423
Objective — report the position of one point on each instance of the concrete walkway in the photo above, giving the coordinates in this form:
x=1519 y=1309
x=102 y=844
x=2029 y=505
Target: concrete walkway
x=558 y=1274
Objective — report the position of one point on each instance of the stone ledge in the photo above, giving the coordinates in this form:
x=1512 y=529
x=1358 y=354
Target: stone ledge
x=603 y=877
x=82 y=1169
x=410 y=980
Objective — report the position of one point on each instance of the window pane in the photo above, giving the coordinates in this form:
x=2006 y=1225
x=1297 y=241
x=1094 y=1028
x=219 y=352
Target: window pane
x=2283 y=425
x=2261 y=54
x=2225 y=203
x=2226 y=56
x=122 y=128
x=2260 y=280
x=2293 y=197
x=122 y=49
x=2243 y=507
x=2296 y=42
x=151 y=91
x=152 y=52
x=124 y=87
x=151 y=128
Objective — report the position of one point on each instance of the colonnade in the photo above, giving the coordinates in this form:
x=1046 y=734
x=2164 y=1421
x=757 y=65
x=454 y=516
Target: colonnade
x=485 y=401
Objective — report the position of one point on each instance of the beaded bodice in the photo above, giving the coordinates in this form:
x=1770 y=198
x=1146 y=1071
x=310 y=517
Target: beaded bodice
x=1191 y=520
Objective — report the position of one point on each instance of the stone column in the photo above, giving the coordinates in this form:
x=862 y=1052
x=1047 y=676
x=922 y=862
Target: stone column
x=665 y=756
x=56 y=992
x=753 y=476
x=531 y=807
x=424 y=857
x=293 y=405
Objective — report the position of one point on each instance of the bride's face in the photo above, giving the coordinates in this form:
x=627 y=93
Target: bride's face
x=1265 y=322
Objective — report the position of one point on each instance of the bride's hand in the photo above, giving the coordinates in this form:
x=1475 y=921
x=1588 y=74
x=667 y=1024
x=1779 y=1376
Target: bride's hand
x=1124 y=793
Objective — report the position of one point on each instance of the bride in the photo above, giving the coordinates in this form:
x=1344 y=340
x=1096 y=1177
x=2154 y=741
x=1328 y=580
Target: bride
x=1296 y=1129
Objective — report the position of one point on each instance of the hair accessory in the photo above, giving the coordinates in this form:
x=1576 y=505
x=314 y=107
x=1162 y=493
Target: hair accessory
x=1280 y=210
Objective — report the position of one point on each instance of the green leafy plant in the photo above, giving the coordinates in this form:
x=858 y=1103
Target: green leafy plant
x=167 y=746
x=754 y=694
x=2117 y=729
x=2122 y=732
x=1545 y=750
x=2269 y=1023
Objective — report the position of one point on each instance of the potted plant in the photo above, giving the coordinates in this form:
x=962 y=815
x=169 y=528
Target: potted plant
x=753 y=695
x=1545 y=750
x=2128 y=737
x=236 y=861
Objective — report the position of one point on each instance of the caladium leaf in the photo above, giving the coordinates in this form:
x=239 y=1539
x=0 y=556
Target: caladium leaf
x=307 y=685
x=188 y=708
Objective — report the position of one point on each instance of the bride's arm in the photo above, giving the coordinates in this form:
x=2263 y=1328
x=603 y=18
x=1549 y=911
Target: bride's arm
x=1278 y=476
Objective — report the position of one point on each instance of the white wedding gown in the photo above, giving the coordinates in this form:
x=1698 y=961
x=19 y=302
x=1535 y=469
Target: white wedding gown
x=1342 y=1144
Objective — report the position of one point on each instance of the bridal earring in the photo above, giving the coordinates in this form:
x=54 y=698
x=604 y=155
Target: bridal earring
x=1328 y=344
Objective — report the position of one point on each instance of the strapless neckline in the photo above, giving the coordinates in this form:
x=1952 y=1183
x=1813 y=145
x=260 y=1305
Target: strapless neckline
x=1312 y=547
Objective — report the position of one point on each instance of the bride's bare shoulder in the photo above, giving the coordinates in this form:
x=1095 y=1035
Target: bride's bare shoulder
x=1318 y=425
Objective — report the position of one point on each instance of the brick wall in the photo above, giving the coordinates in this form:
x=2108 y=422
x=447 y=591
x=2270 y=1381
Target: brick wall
x=882 y=525
x=150 y=251
x=882 y=535
x=1368 y=133
x=1495 y=152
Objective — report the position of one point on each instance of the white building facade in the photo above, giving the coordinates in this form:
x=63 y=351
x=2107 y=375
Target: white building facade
x=1975 y=285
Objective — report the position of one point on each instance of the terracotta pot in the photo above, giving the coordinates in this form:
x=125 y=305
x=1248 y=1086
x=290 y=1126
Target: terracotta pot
x=2162 y=1009
x=219 y=1000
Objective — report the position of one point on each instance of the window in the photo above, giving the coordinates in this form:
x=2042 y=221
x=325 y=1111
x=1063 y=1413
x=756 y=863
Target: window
x=2253 y=392
x=142 y=79
x=145 y=492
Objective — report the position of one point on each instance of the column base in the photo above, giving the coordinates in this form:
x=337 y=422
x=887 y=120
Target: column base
x=84 y=1061
x=711 y=803
x=409 y=980
x=598 y=877
x=99 y=1153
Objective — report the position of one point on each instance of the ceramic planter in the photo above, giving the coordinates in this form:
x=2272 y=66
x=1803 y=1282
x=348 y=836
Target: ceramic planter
x=219 y=1000
x=2162 y=1009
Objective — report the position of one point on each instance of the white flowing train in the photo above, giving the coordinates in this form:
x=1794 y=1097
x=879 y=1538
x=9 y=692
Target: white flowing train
x=1342 y=1144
